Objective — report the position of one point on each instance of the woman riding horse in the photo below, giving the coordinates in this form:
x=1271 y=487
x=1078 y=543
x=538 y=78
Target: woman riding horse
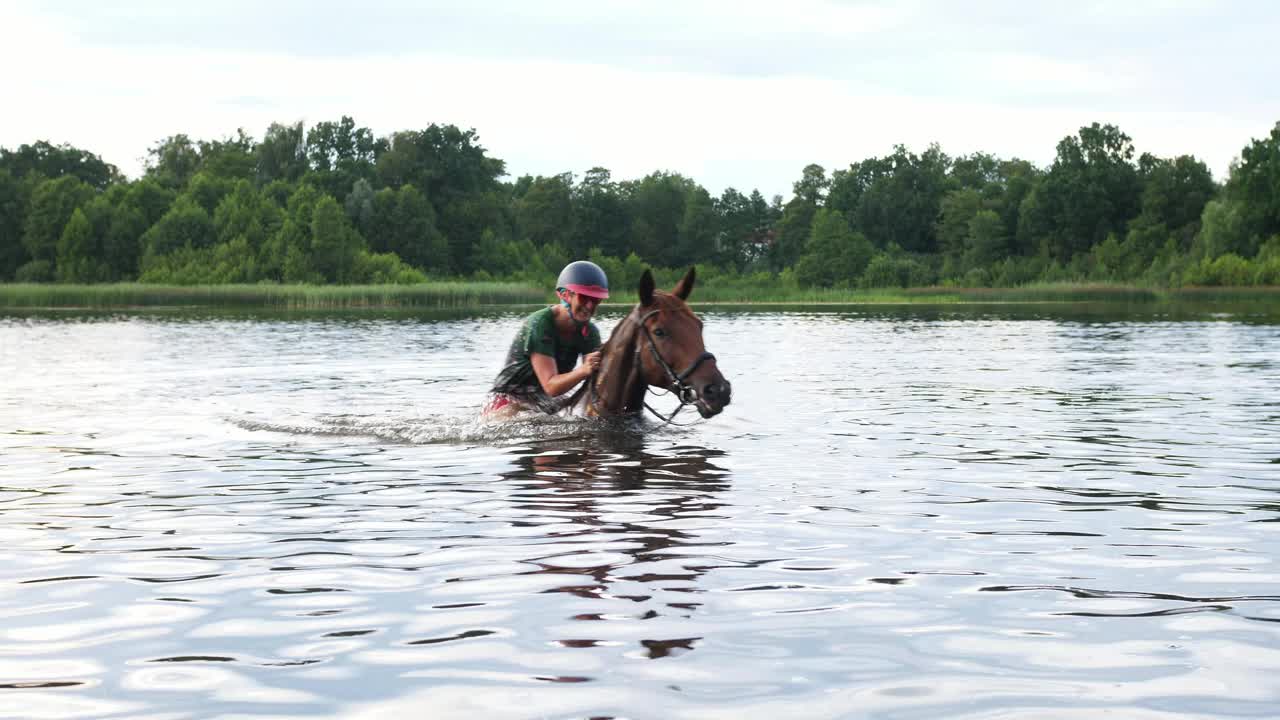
x=658 y=344
x=540 y=371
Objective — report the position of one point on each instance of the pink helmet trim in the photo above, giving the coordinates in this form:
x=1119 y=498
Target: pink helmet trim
x=594 y=291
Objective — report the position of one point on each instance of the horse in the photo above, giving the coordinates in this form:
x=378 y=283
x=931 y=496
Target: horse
x=659 y=335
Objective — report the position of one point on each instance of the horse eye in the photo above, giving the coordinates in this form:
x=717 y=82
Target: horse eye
x=659 y=332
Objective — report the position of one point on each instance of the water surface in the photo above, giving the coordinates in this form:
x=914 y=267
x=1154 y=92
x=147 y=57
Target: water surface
x=907 y=512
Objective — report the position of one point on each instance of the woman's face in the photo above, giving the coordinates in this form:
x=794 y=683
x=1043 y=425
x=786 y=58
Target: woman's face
x=582 y=307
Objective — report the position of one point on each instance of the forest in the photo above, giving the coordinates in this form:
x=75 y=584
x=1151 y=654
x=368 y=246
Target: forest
x=336 y=204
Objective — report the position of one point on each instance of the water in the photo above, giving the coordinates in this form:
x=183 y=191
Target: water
x=905 y=513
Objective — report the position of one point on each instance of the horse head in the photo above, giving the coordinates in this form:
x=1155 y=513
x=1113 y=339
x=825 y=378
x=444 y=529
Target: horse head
x=671 y=350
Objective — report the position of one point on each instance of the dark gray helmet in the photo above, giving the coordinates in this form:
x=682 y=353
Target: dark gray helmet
x=584 y=277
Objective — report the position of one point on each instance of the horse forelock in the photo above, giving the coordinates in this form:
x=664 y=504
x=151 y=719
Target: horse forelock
x=673 y=304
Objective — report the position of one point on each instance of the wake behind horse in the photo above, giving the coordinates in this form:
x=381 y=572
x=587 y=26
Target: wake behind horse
x=658 y=344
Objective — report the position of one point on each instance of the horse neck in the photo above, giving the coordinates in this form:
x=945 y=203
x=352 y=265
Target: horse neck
x=620 y=384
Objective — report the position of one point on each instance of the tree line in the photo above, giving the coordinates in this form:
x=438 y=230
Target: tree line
x=334 y=203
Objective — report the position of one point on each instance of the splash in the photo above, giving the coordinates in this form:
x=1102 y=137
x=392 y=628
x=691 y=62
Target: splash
x=454 y=429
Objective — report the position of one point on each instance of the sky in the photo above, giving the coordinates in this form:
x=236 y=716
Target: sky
x=731 y=94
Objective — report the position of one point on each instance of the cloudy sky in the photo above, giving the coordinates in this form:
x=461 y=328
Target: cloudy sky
x=734 y=93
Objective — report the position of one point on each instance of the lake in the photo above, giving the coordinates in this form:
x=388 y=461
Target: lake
x=906 y=512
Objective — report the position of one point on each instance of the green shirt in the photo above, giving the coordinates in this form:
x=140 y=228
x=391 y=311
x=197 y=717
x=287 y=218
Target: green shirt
x=538 y=334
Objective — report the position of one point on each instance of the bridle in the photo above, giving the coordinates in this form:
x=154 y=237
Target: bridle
x=684 y=392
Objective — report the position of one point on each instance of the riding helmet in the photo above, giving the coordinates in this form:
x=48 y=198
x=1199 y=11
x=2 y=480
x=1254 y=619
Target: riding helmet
x=585 y=277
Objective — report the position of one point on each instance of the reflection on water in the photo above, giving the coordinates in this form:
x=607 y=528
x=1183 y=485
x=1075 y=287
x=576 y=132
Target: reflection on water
x=910 y=513
x=623 y=520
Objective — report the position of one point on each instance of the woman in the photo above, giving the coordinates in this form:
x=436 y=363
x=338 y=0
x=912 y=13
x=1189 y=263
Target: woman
x=540 y=370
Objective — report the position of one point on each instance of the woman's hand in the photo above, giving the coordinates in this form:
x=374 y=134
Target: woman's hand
x=591 y=362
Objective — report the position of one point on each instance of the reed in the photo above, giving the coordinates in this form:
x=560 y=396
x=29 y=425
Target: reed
x=929 y=295
x=464 y=294
x=1258 y=293
x=444 y=294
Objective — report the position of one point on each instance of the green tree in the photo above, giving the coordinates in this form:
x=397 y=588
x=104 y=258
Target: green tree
x=979 y=171
x=988 y=183
x=359 y=205
x=490 y=257
x=246 y=213
x=208 y=190
x=986 y=243
x=13 y=206
x=1017 y=178
x=551 y=259
x=125 y=221
x=172 y=161
x=282 y=154
x=957 y=211
x=341 y=153
x=335 y=245
x=813 y=185
x=600 y=216
x=1254 y=186
x=1226 y=228
x=544 y=213
x=122 y=242
x=442 y=160
x=1175 y=191
x=379 y=268
x=341 y=145
x=279 y=191
x=98 y=211
x=698 y=230
x=1174 y=196
x=468 y=218
x=404 y=223
x=186 y=224
x=797 y=217
x=234 y=158
x=1092 y=189
x=150 y=198
x=77 y=254
x=55 y=161
x=744 y=225
x=52 y=203
x=901 y=207
x=656 y=204
x=834 y=254
x=738 y=227
x=450 y=167
x=848 y=186
x=286 y=254
x=792 y=236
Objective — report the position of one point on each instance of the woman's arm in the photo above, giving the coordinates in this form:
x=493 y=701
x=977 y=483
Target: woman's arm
x=553 y=384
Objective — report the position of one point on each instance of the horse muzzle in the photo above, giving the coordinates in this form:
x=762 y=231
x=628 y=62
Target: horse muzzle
x=712 y=397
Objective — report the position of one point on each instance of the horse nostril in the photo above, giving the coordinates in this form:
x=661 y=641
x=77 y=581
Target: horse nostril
x=712 y=391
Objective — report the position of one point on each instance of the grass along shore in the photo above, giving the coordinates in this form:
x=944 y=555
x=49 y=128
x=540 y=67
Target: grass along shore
x=287 y=297
x=463 y=294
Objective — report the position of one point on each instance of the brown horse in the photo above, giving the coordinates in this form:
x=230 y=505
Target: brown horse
x=659 y=344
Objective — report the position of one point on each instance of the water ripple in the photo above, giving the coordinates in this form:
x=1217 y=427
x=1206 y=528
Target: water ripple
x=916 y=516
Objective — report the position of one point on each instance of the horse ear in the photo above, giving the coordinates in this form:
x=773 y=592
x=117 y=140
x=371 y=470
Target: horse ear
x=646 y=288
x=685 y=286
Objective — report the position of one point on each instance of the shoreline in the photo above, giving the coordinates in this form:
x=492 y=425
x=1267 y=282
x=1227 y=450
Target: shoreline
x=462 y=295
